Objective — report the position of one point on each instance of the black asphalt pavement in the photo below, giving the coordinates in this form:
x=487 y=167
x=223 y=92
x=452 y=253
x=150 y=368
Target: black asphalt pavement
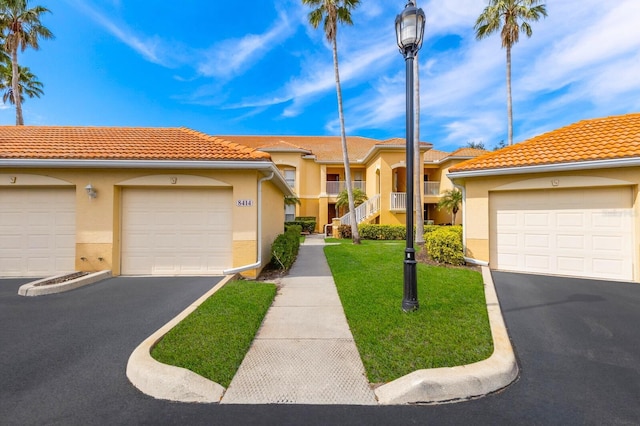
x=63 y=359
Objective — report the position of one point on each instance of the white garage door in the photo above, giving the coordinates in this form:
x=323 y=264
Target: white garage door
x=37 y=231
x=176 y=231
x=574 y=232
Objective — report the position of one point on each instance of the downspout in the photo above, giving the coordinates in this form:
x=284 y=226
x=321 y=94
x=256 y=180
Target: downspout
x=259 y=236
x=464 y=228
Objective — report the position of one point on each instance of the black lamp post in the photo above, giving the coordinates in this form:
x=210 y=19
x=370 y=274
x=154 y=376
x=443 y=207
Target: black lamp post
x=409 y=32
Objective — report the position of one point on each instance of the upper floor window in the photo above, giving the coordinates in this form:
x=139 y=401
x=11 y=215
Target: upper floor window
x=290 y=177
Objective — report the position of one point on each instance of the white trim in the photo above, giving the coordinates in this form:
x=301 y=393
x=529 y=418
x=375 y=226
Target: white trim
x=586 y=165
x=21 y=179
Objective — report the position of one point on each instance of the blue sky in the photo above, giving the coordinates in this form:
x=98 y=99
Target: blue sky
x=257 y=67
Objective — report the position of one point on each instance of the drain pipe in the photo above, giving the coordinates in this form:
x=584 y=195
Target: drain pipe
x=464 y=228
x=259 y=236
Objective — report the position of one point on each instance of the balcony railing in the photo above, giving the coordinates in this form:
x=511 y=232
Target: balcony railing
x=336 y=187
x=431 y=188
x=364 y=210
x=398 y=201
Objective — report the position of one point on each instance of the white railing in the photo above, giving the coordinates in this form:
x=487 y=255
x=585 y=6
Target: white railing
x=363 y=211
x=337 y=186
x=431 y=188
x=398 y=201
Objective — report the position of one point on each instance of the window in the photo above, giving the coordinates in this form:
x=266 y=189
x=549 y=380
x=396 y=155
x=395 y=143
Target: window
x=290 y=178
x=289 y=212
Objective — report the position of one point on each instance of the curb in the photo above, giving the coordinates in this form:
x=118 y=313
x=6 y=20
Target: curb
x=33 y=289
x=168 y=382
x=453 y=384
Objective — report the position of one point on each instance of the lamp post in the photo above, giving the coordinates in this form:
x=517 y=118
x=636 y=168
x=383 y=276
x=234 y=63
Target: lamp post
x=409 y=32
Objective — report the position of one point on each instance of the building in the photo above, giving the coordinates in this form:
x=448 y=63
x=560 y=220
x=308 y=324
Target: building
x=313 y=167
x=564 y=203
x=136 y=201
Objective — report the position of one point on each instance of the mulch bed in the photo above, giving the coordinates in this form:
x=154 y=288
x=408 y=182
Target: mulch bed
x=63 y=279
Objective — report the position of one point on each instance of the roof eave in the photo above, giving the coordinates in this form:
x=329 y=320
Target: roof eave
x=545 y=168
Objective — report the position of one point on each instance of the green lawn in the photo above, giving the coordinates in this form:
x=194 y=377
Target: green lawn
x=214 y=339
x=450 y=328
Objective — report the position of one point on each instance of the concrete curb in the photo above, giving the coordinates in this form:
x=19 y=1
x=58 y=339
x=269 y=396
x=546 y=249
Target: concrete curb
x=163 y=381
x=454 y=384
x=33 y=289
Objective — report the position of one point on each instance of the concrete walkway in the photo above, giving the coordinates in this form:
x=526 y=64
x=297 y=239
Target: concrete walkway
x=304 y=352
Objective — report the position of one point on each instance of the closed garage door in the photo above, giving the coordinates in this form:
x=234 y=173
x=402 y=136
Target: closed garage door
x=573 y=232
x=176 y=231
x=37 y=231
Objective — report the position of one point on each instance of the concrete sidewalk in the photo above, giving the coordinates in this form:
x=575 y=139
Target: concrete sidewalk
x=304 y=352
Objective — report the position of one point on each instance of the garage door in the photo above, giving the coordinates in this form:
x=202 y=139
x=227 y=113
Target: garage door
x=37 y=232
x=176 y=231
x=577 y=232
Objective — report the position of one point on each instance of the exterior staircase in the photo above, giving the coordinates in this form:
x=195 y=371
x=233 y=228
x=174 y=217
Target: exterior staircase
x=368 y=210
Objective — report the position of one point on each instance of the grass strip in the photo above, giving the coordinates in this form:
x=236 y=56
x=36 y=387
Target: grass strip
x=450 y=328
x=214 y=339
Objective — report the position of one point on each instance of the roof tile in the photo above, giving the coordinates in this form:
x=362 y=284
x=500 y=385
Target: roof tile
x=119 y=143
x=605 y=138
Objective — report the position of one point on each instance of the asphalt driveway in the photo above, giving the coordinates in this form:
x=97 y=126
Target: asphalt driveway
x=63 y=356
x=63 y=359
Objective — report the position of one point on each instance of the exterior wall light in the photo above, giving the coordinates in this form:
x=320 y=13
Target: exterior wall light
x=91 y=192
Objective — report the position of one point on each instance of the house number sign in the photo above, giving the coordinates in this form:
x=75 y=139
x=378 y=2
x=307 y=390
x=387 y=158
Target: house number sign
x=244 y=203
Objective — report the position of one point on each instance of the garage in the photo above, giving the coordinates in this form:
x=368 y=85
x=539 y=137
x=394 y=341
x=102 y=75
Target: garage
x=582 y=232
x=37 y=231
x=177 y=231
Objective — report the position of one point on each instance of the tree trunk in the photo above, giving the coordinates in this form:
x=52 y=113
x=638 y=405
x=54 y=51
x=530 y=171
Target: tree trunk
x=345 y=154
x=417 y=159
x=509 y=107
x=15 y=81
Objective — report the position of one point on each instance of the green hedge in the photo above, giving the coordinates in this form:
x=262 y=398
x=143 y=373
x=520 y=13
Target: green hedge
x=444 y=245
x=382 y=232
x=284 y=249
x=307 y=223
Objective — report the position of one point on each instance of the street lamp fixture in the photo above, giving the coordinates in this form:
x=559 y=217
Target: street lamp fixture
x=409 y=32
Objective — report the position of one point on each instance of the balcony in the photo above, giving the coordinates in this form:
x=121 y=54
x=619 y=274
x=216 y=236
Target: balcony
x=398 y=202
x=431 y=188
x=336 y=187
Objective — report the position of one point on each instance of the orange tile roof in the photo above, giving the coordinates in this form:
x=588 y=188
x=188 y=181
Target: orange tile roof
x=118 y=143
x=468 y=152
x=607 y=138
x=325 y=148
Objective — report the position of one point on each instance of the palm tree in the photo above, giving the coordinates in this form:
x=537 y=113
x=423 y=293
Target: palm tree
x=451 y=200
x=330 y=13
x=21 y=28
x=28 y=83
x=510 y=17
x=359 y=197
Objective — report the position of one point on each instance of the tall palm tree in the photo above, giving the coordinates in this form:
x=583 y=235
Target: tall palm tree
x=330 y=13
x=510 y=17
x=359 y=197
x=28 y=82
x=21 y=28
x=451 y=200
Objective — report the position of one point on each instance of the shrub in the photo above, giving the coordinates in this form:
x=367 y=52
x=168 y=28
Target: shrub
x=429 y=228
x=308 y=224
x=382 y=232
x=284 y=249
x=444 y=245
x=344 y=231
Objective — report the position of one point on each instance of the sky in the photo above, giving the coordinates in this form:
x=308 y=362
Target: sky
x=257 y=67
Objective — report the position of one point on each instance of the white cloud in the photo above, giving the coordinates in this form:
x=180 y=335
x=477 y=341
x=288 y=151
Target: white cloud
x=233 y=56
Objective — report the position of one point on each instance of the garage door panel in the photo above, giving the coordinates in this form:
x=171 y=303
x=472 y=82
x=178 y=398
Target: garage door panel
x=182 y=231
x=585 y=232
x=37 y=231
